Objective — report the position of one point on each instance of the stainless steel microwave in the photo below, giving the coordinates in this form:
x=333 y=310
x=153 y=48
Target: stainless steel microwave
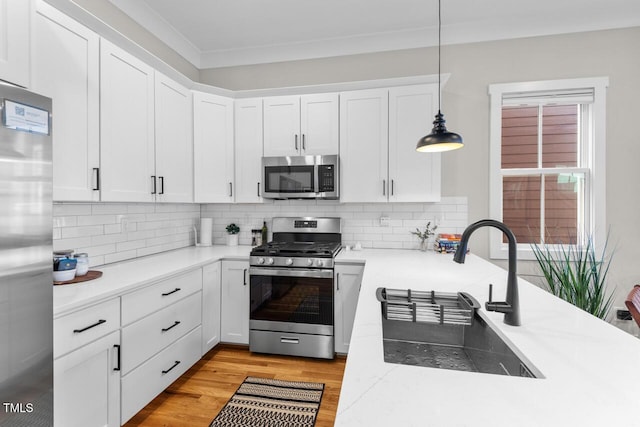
x=300 y=177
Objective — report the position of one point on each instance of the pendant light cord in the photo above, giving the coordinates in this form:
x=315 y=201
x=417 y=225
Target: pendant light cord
x=439 y=44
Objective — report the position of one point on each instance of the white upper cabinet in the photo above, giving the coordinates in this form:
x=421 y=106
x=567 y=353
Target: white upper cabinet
x=363 y=145
x=248 y=150
x=213 y=148
x=379 y=130
x=414 y=176
x=15 y=28
x=301 y=125
x=57 y=42
x=127 y=127
x=173 y=141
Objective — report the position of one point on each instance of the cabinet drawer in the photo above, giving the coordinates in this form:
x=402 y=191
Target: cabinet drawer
x=144 y=383
x=77 y=329
x=138 y=304
x=147 y=336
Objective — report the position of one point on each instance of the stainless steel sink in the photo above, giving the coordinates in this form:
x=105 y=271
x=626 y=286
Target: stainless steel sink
x=473 y=345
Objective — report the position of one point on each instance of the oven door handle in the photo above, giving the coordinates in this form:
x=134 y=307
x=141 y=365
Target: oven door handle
x=298 y=272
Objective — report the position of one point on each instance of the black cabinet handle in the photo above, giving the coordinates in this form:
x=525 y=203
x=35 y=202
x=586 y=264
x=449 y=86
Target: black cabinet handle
x=177 y=362
x=176 y=323
x=97 y=174
x=161 y=184
x=244 y=276
x=296 y=140
x=304 y=147
x=384 y=186
x=99 y=322
x=338 y=281
x=171 y=292
x=258 y=189
x=117 y=347
x=231 y=189
x=153 y=180
x=392 y=187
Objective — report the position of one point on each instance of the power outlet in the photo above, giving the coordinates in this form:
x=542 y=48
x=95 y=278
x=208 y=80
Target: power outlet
x=623 y=314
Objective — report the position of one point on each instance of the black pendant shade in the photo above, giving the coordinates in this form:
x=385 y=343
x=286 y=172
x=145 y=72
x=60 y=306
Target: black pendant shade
x=440 y=139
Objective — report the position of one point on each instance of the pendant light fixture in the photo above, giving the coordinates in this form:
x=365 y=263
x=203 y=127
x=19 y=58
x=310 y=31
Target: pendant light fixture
x=440 y=139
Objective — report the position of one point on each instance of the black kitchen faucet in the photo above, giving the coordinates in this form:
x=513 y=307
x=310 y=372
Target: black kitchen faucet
x=510 y=307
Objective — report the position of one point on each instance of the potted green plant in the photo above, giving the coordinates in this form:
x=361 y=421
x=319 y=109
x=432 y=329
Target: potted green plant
x=577 y=274
x=425 y=235
x=232 y=234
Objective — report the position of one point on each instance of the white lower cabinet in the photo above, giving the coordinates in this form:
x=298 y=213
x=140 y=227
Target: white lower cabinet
x=87 y=367
x=235 y=302
x=161 y=337
x=211 y=294
x=144 y=383
x=347 y=281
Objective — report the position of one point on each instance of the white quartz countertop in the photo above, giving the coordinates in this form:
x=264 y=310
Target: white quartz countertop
x=591 y=369
x=127 y=276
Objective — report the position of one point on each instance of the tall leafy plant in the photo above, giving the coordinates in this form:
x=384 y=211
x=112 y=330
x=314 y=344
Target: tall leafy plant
x=577 y=274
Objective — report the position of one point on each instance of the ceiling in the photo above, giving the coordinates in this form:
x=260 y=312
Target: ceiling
x=220 y=33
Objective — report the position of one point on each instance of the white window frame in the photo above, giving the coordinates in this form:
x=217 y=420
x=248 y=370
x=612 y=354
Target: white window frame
x=595 y=219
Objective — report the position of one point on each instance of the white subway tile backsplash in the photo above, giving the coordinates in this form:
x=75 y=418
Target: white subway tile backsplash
x=113 y=232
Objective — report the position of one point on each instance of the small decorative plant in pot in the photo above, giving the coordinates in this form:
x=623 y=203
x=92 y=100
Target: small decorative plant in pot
x=425 y=235
x=232 y=234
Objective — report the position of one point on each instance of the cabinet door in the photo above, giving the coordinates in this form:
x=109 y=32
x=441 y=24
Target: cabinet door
x=319 y=124
x=15 y=18
x=86 y=385
x=126 y=127
x=363 y=145
x=213 y=148
x=58 y=41
x=173 y=141
x=282 y=126
x=248 y=150
x=414 y=177
x=348 y=279
x=235 y=302
x=211 y=294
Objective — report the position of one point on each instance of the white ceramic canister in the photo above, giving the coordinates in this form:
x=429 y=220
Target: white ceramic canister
x=82 y=267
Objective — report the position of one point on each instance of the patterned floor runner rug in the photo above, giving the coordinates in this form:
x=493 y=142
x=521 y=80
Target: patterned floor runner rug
x=268 y=403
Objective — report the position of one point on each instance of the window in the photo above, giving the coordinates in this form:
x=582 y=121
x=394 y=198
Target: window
x=547 y=162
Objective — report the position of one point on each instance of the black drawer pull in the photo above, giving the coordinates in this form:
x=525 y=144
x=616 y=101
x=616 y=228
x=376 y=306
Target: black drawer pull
x=176 y=323
x=171 y=368
x=117 y=347
x=171 y=292
x=99 y=322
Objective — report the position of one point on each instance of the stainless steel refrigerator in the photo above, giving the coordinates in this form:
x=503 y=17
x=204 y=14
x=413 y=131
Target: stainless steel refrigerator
x=26 y=284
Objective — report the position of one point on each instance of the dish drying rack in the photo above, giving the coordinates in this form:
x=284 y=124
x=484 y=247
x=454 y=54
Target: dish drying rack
x=445 y=308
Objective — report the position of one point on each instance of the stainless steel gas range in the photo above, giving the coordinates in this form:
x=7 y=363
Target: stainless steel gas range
x=291 y=281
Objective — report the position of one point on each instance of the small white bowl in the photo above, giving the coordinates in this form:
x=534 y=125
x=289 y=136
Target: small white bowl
x=63 y=276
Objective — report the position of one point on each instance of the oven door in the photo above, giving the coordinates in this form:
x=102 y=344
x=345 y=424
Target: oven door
x=291 y=300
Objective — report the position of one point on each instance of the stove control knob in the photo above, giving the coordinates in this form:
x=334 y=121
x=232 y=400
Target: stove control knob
x=309 y=261
x=319 y=263
x=289 y=261
x=270 y=261
x=260 y=260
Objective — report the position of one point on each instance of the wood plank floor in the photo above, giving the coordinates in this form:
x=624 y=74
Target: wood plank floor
x=197 y=397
